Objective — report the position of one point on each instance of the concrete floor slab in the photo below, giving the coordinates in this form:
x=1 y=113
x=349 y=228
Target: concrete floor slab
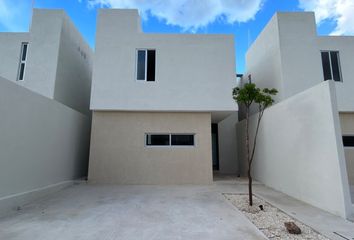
x=130 y=212
x=157 y=212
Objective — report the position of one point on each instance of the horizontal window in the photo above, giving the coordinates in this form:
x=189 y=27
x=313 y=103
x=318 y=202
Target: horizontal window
x=182 y=140
x=171 y=139
x=157 y=139
x=348 y=141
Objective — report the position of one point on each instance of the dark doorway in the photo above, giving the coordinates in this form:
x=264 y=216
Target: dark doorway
x=215 y=146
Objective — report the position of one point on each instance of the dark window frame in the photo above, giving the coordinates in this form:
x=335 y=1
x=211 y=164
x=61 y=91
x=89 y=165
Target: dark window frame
x=171 y=135
x=330 y=66
x=149 y=67
x=348 y=140
x=22 y=63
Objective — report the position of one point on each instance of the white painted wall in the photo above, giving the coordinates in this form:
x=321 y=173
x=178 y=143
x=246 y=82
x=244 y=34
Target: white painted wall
x=54 y=68
x=286 y=55
x=194 y=72
x=43 y=51
x=345 y=46
x=228 y=162
x=263 y=60
x=42 y=142
x=74 y=69
x=300 y=151
x=10 y=48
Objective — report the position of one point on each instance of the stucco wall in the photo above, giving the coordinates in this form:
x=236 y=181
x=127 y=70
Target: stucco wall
x=345 y=46
x=42 y=142
x=73 y=75
x=194 y=72
x=263 y=60
x=228 y=162
x=300 y=151
x=118 y=153
x=10 y=48
x=347 y=126
x=43 y=51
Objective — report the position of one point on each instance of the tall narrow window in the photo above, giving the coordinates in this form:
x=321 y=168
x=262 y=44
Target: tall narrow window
x=331 y=65
x=22 y=65
x=141 y=62
x=145 y=65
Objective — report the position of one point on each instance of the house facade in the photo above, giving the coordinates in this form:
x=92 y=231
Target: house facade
x=52 y=59
x=289 y=56
x=158 y=102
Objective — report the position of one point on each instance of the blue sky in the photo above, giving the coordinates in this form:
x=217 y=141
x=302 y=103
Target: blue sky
x=243 y=18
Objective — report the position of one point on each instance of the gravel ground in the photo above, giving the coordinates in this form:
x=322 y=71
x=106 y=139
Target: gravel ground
x=271 y=220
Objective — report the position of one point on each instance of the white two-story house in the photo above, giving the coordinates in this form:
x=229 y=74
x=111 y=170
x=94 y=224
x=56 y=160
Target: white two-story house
x=289 y=55
x=52 y=59
x=160 y=104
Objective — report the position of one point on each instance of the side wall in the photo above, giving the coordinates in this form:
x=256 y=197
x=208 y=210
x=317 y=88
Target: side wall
x=300 y=150
x=42 y=142
x=347 y=126
x=10 y=50
x=118 y=153
x=73 y=76
x=228 y=162
x=263 y=60
x=300 y=57
x=43 y=51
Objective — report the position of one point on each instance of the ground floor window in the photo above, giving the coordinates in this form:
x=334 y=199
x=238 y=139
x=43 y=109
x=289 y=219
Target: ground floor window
x=348 y=141
x=169 y=139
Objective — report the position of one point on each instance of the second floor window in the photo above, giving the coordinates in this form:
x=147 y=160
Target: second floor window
x=331 y=66
x=145 y=65
x=22 y=64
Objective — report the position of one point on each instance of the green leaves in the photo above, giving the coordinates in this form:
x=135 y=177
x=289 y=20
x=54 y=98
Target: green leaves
x=249 y=94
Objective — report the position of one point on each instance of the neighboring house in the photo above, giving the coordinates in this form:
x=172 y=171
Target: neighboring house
x=52 y=59
x=157 y=100
x=290 y=56
x=45 y=82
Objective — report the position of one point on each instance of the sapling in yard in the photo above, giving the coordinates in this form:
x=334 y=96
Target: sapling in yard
x=249 y=95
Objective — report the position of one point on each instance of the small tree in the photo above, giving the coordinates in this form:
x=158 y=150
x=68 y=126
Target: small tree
x=248 y=95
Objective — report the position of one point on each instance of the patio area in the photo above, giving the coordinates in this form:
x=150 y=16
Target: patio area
x=85 y=211
x=130 y=212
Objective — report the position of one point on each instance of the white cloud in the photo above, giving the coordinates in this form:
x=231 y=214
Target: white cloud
x=189 y=14
x=14 y=14
x=339 y=11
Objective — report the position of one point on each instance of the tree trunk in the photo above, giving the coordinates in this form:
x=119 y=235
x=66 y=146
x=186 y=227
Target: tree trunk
x=248 y=158
x=250 y=199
